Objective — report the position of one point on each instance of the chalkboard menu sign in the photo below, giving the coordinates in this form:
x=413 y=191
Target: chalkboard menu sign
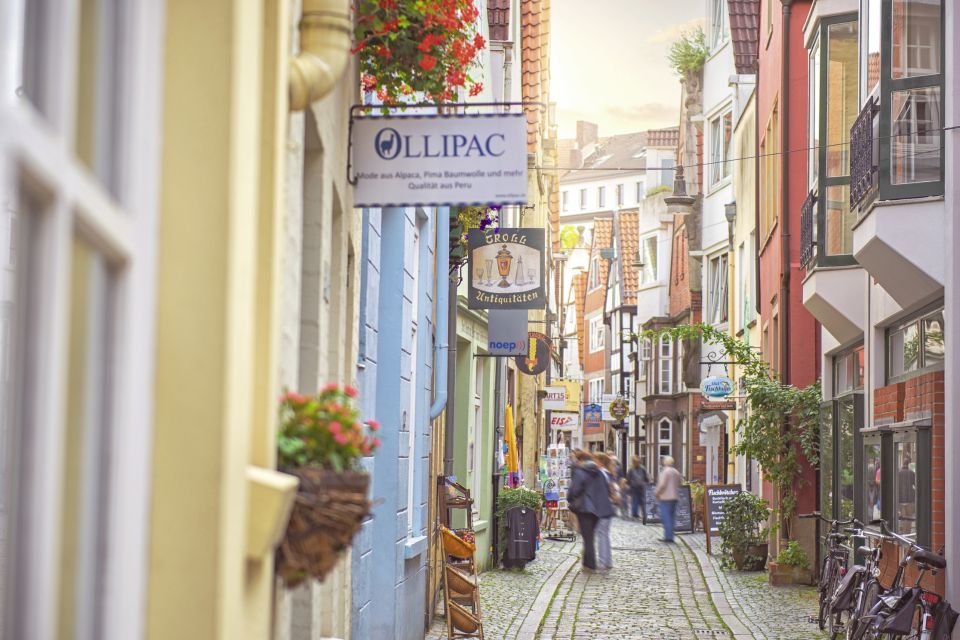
x=684 y=515
x=716 y=495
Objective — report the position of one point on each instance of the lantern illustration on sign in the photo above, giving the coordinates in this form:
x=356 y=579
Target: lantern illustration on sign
x=504 y=260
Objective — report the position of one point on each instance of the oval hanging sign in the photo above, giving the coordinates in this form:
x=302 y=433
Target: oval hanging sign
x=716 y=386
x=619 y=409
x=538 y=357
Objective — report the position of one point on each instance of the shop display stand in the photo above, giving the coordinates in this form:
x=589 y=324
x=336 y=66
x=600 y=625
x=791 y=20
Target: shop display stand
x=461 y=584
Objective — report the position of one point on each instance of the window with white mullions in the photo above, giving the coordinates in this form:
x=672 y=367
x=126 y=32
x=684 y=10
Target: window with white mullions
x=664 y=438
x=718 y=23
x=597 y=340
x=648 y=259
x=721 y=139
x=717 y=303
x=666 y=366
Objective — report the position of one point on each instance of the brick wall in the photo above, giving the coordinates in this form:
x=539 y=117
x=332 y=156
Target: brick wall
x=918 y=397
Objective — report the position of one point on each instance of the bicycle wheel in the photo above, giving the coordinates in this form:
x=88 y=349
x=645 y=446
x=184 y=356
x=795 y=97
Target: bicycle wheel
x=834 y=621
x=826 y=579
x=863 y=621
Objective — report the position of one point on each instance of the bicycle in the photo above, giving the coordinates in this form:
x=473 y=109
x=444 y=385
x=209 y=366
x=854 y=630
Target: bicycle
x=912 y=612
x=834 y=568
x=860 y=588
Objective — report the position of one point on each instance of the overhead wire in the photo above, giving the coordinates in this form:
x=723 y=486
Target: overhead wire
x=755 y=156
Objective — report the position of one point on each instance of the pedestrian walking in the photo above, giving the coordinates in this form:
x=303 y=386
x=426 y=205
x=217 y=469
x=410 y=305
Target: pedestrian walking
x=589 y=500
x=667 y=492
x=604 y=550
x=638 y=479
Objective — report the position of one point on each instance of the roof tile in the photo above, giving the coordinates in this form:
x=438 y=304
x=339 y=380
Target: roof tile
x=744 y=33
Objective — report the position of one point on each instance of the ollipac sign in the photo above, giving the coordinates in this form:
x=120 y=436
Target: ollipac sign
x=439 y=159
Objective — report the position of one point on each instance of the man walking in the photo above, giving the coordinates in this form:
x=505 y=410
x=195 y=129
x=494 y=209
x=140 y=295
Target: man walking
x=638 y=479
x=667 y=492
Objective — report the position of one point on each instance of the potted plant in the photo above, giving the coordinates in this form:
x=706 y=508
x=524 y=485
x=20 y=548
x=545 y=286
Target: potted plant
x=697 y=491
x=423 y=47
x=744 y=532
x=791 y=567
x=321 y=441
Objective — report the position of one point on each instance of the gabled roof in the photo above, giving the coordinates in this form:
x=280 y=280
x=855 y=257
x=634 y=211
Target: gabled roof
x=580 y=301
x=602 y=239
x=666 y=137
x=744 y=33
x=498 y=17
x=629 y=241
x=624 y=150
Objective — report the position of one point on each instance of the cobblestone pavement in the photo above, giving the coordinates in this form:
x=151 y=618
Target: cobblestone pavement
x=654 y=591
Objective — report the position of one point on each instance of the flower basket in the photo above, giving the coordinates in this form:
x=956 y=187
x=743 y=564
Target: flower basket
x=456 y=546
x=461 y=583
x=329 y=509
x=753 y=558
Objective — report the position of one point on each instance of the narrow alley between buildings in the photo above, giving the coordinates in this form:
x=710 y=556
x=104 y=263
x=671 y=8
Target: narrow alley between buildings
x=655 y=590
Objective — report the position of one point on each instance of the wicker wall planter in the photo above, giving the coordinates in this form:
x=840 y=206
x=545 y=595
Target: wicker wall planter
x=329 y=509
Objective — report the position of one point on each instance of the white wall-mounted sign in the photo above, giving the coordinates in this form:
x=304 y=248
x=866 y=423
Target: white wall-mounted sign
x=556 y=398
x=507 y=332
x=564 y=421
x=439 y=159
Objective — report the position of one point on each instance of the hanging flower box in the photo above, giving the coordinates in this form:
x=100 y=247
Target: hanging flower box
x=426 y=47
x=321 y=441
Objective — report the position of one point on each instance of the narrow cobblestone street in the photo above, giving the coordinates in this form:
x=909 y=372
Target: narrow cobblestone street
x=655 y=590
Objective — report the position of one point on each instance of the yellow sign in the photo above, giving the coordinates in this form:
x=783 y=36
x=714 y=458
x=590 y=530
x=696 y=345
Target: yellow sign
x=573 y=394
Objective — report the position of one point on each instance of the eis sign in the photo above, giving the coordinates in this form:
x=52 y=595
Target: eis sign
x=506 y=269
x=439 y=159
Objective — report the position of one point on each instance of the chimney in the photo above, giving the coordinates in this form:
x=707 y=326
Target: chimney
x=586 y=133
x=576 y=158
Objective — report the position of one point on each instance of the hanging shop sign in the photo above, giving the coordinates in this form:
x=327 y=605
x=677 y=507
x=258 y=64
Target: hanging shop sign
x=506 y=269
x=564 y=421
x=507 y=332
x=556 y=398
x=619 y=409
x=538 y=355
x=607 y=401
x=572 y=391
x=592 y=419
x=433 y=159
x=716 y=386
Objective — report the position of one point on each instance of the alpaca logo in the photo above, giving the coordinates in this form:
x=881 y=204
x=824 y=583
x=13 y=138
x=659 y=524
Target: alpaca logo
x=388 y=143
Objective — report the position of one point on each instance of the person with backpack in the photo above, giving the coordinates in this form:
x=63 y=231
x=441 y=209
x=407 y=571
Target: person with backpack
x=589 y=500
x=638 y=479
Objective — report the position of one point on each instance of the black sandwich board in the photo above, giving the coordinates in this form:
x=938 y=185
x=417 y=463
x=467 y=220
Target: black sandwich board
x=715 y=495
x=684 y=515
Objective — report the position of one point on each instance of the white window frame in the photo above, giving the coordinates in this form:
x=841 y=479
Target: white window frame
x=620 y=194
x=718 y=278
x=595 y=390
x=720 y=168
x=565 y=199
x=719 y=33
x=597 y=337
x=593 y=275
x=640 y=194
x=665 y=366
x=601 y=197
x=122 y=237
x=649 y=274
x=664 y=447
x=583 y=198
x=646 y=356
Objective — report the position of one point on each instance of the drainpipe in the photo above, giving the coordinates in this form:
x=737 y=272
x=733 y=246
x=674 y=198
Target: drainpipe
x=757 y=240
x=785 y=199
x=441 y=291
x=325 y=33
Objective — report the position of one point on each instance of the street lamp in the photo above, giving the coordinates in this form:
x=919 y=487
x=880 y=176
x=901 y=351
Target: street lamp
x=730 y=213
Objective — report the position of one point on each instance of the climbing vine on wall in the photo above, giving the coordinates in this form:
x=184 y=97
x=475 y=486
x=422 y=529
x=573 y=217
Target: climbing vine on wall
x=782 y=420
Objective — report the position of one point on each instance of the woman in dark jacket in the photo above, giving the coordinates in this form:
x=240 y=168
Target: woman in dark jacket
x=590 y=500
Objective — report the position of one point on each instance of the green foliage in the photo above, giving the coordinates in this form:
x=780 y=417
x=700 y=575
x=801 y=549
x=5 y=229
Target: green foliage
x=696 y=494
x=569 y=237
x=743 y=526
x=660 y=188
x=688 y=52
x=323 y=430
x=793 y=555
x=782 y=421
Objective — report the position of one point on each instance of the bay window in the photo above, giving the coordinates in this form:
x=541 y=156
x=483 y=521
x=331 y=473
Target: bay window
x=666 y=366
x=596 y=334
x=833 y=108
x=717 y=302
x=915 y=346
x=664 y=438
x=903 y=58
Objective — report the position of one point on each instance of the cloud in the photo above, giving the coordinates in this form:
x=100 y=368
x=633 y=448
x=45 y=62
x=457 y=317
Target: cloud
x=669 y=34
x=621 y=119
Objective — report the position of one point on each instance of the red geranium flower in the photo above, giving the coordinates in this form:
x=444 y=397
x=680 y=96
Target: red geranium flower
x=478 y=41
x=428 y=62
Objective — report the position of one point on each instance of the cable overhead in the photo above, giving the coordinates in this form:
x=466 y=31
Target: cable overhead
x=754 y=157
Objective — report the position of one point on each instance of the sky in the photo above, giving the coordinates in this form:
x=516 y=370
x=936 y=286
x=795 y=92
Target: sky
x=609 y=62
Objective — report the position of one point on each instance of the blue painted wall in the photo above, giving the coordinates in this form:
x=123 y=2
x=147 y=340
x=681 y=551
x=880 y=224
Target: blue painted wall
x=389 y=561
